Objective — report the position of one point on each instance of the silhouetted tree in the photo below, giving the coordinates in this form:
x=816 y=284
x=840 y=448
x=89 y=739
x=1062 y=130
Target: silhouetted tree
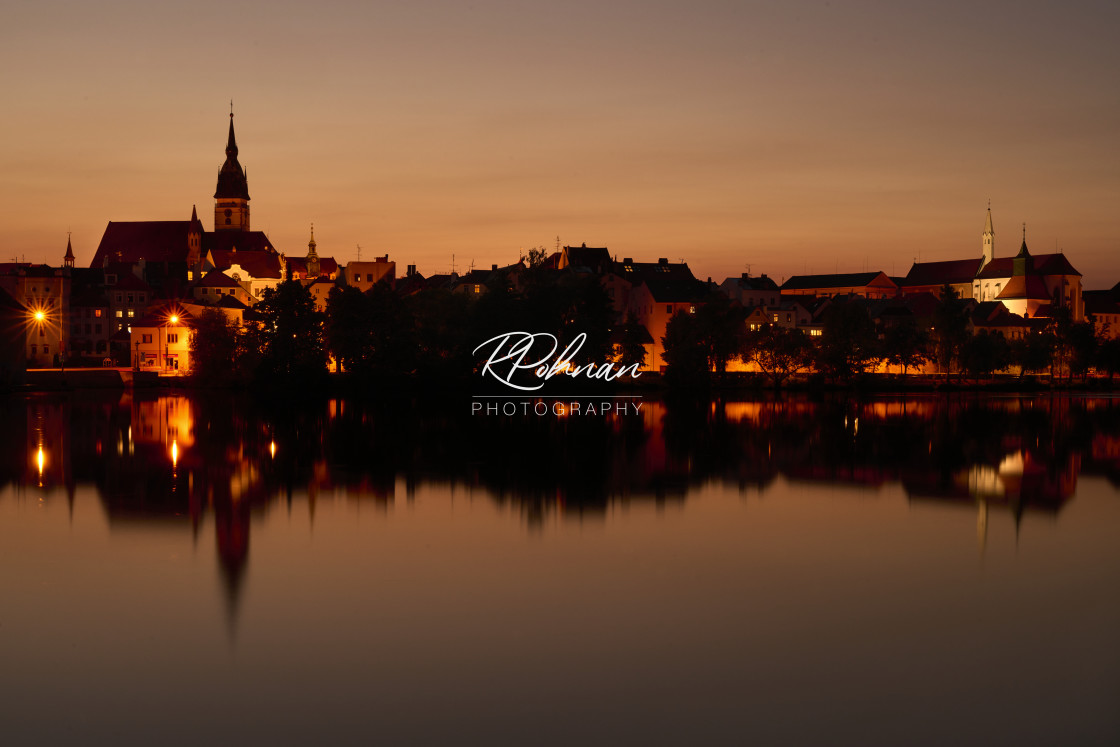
x=950 y=329
x=1108 y=357
x=849 y=342
x=1033 y=353
x=906 y=344
x=214 y=347
x=779 y=351
x=633 y=345
x=685 y=352
x=983 y=353
x=291 y=336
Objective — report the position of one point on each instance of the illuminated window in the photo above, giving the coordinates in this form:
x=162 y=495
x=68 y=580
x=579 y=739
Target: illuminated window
x=97 y=313
x=131 y=313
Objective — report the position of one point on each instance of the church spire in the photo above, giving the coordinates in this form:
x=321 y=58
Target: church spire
x=68 y=260
x=988 y=252
x=231 y=198
x=312 y=256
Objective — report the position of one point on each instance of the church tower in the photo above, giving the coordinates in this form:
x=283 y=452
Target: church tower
x=312 y=257
x=989 y=250
x=231 y=199
x=68 y=260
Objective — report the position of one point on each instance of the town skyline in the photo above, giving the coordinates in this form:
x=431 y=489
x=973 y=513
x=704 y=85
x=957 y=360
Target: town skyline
x=791 y=141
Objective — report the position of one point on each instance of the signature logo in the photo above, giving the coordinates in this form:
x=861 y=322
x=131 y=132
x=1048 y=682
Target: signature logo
x=513 y=357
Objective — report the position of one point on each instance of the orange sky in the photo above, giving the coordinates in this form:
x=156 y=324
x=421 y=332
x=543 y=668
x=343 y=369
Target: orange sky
x=796 y=137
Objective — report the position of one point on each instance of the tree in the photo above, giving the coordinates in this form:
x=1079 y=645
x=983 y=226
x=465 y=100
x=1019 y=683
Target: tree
x=685 y=352
x=291 y=336
x=1082 y=343
x=1108 y=357
x=214 y=347
x=633 y=346
x=347 y=327
x=779 y=351
x=983 y=353
x=849 y=341
x=1033 y=353
x=950 y=329
x=906 y=344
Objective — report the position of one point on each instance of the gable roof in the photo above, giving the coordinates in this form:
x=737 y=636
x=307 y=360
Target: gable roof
x=218 y=279
x=596 y=259
x=151 y=240
x=1041 y=264
x=258 y=263
x=841 y=280
x=954 y=271
x=1025 y=286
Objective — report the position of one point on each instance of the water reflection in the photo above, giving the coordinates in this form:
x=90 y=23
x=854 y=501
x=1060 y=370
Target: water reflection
x=180 y=460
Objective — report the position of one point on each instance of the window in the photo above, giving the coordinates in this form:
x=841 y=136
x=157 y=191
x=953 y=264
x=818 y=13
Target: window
x=34 y=349
x=172 y=339
x=146 y=339
x=97 y=313
x=204 y=291
x=131 y=313
x=358 y=277
x=668 y=308
x=120 y=298
x=130 y=298
x=369 y=277
x=42 y=332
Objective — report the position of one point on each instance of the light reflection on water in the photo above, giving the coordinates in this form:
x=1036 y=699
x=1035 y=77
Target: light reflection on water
x=891 y=571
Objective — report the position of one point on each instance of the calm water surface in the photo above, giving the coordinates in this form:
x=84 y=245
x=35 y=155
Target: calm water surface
x=922 y=571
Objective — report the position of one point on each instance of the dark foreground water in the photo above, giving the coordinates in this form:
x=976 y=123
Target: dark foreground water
x=921 y=571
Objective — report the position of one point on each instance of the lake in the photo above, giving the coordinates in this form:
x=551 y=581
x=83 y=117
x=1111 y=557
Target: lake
x=925 y=570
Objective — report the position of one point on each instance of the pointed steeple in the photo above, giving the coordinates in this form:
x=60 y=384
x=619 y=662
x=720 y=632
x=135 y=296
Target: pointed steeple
x=68 y=260
x=312 y=256
x=988 y=250
x=231 y=198
x=231 y=144
x=1021 y=264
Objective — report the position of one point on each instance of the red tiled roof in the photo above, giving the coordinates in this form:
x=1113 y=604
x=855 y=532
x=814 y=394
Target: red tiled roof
x=218 y=279
x=327 y=265
x=224 y=241
x=1024 y=286
x=1043 y=264
x=126 y=281
x=954 y=271
x=152 y=240
x=842 y=280
x=259 y=264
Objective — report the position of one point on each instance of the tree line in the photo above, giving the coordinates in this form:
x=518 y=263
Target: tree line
x=431 y=335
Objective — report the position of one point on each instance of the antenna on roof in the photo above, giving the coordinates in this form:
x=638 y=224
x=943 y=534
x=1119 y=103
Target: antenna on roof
x=359 y=252
x=557 y=242
x=452 y=263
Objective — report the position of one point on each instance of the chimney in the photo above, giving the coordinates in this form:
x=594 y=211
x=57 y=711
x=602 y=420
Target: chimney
x=494 y=267
x=628 y=261
x=747 y=276
x=411 y=270
x=663 y=261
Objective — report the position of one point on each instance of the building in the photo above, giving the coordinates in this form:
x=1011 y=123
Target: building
x=365 y=275
x=160 y=340
x=1026 y=283
x=752 y=291
x=44 y=294
x=864 y=284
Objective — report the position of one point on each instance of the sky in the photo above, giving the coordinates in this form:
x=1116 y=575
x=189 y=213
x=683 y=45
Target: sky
x=780 y=137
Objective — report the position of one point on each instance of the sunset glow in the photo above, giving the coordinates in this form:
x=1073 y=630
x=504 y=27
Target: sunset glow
x=787 y=138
